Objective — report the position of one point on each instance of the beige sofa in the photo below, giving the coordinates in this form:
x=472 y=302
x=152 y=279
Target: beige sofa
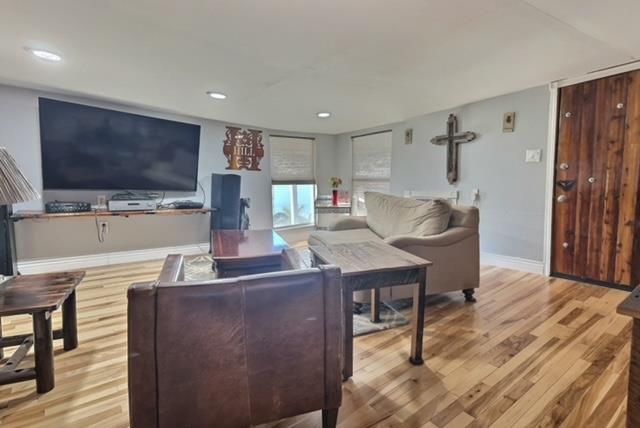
x=454 y=251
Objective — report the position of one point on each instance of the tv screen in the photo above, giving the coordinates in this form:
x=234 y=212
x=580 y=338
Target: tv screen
x=93 y=148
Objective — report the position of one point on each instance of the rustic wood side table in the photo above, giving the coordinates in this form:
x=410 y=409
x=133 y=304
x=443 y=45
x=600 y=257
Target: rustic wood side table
x=371 y=266
x=39 y=296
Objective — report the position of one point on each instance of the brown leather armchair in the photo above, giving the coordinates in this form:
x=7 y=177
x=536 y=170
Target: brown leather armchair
x=234 y=352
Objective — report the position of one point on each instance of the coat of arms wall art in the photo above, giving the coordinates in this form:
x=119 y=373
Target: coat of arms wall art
x=243 y=148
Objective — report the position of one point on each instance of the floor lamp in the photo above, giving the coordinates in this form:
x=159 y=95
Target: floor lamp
x=14 y=188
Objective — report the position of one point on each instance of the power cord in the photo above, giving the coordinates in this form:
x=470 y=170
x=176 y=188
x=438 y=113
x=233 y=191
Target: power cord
x=100 y=230
x=204 y=194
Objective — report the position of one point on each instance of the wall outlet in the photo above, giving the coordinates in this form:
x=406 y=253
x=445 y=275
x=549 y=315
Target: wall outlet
x=102 y=201
x=533 y=155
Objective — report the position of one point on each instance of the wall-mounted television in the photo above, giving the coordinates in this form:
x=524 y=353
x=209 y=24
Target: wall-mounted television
x=90 y=148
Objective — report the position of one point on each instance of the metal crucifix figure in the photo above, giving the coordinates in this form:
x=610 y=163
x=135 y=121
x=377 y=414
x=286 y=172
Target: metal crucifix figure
x=452 y=139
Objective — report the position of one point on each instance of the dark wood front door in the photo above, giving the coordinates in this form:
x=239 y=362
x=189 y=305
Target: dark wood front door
x=597 y=179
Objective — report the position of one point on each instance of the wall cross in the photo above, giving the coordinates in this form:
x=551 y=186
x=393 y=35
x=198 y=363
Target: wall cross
x=452 y=139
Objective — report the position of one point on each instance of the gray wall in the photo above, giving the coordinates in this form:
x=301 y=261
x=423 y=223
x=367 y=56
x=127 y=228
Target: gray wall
x=512 y=192
x=19 y=132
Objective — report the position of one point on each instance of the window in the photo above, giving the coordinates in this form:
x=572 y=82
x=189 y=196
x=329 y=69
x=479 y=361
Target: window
x=371 y=166
x=293 y=184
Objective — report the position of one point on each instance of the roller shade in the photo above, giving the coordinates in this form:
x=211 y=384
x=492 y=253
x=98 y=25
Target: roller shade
x=372 y=157
x=292 y=160
x=371 y=167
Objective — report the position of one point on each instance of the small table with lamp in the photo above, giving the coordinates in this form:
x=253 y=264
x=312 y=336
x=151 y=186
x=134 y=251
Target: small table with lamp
x=325 y=206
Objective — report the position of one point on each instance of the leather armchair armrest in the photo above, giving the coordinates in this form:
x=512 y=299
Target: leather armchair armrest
x=448 y=237
x=172 y=269
x=349 y=222
x=141 y=348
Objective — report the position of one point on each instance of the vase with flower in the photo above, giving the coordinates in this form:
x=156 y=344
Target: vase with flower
x=335 y=182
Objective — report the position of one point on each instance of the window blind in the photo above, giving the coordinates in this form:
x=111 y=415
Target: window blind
x=371 y=167
x=372 y=157
x=292 y=160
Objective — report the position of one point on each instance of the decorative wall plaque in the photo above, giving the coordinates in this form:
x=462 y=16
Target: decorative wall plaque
x=243 y=148
x=509 y=122
x=408 y=136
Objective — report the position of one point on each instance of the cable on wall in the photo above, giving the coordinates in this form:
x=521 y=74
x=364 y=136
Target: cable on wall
x=100 y=230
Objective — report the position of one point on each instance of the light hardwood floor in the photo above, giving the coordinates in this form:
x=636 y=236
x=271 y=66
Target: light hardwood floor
x=532 y=351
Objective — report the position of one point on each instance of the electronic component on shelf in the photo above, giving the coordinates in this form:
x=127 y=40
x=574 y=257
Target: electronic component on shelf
x=58 y=207
x=132 y=205
x=130 y=196
x=186 y=205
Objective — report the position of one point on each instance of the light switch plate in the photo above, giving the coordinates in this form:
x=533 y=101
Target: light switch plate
x=533 y=155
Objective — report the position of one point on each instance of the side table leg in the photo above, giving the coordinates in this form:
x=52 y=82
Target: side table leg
x=43 y=351
x=417 y=318
x=70 y=323
x=347 y=302
x=375 y=305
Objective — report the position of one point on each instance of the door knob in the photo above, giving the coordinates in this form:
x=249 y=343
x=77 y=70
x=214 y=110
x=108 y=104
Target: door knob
x=592 y=180
x=563 y=166
x=565 y=245
x=562 y=198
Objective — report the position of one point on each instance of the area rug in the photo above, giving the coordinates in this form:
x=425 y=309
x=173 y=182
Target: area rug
x=198 y=268
x=393 y=313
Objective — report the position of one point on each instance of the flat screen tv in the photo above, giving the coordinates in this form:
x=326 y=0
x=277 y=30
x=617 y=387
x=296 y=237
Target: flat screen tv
x=93 y=148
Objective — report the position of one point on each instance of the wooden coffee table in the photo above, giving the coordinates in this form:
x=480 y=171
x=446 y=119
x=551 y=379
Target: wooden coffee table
x=373 y=265
x=38 y=295
x=246 y=252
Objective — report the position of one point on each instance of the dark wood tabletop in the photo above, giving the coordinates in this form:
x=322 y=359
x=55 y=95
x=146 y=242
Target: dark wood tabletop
x=246 y=244
x=367 y=257
x=24 y=294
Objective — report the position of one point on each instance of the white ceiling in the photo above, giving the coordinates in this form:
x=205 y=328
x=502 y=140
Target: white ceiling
x=369 y=62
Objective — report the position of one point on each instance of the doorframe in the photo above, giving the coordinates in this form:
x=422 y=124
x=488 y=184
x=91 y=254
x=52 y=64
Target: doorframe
x=552 y=135
x=554 y=93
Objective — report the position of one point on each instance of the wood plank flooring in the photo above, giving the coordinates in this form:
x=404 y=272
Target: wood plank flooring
x=532 y=352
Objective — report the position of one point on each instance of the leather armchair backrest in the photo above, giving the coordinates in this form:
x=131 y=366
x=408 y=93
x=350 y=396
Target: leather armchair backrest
x=235 y=352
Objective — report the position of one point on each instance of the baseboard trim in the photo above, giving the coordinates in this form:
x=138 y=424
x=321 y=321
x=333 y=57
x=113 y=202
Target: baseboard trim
x=118 y=257
x=106 y=259
x=517 y=263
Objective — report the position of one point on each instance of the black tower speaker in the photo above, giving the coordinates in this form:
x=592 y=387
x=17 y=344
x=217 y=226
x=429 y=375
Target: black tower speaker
x=225 y=199
x=8 y=258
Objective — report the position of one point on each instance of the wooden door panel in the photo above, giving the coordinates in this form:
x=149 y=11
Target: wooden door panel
x=615 y=119
x=584 y=166
x=595 y=229
x=567 y=154
x=598 y=169
x=628 y=223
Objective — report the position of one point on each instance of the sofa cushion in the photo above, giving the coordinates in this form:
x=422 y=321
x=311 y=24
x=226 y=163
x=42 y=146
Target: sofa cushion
x=327 y=237
x=389 y=215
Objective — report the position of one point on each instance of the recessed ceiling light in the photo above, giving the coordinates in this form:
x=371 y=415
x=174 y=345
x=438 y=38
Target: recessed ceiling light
x=324 y=114
x=217 y=95
x=46 y=55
